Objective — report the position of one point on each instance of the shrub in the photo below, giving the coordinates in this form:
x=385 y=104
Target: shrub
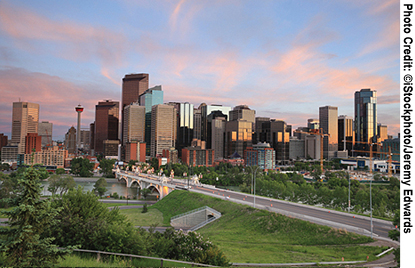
x=145 y=209
x=186 y=246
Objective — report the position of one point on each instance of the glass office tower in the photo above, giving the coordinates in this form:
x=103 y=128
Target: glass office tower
x=152 y=96
x=365 y=112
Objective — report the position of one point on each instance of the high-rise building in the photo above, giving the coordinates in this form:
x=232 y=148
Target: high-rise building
x=394 y=145
x=133 y=85
x=280 y=140
x=85 y=135
x=329 y=124
x=3 y=140
x=238 y=137
x=312 y=147
x=261 y=134
x=346 y=134
x=106 y=124
x=185 y=126
x=70 y=140
x=92 y=138
x=297 y=148
x=365 y=116
x=25 y=120
x=111 y=148
x=206 y=110
x=150 y=97
x=134 y=123
x=313 y=123
x=261 y=155
x=242 y=112
x=197 y=122
x=277 y=134
x=45 y=131
x=382 y=132
x=33 y=142
x=163 y=128
x=218 y=125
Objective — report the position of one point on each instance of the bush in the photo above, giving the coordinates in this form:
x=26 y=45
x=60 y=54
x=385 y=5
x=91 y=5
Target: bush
x=145 y=209
x=88 y=223
x=186 y=246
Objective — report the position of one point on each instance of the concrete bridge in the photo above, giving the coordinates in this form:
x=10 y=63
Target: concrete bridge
x=162 y=185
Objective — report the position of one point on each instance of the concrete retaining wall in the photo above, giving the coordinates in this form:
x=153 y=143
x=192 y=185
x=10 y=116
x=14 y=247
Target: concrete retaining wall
x=192 y=219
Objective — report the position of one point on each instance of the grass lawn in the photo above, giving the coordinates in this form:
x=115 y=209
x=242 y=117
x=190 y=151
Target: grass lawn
x=151 y=218
x=246 y=234
x=90 y=260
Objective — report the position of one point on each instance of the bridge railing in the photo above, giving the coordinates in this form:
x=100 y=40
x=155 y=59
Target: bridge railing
x=215 y=212
x=200 y=225
x=189 y=212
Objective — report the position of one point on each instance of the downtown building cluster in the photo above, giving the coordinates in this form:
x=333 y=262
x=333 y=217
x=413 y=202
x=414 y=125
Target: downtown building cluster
x=143 y=126
x=31 y=141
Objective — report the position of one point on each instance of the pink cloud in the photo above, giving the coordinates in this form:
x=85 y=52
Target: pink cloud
x=78 y=41
x=57 y=97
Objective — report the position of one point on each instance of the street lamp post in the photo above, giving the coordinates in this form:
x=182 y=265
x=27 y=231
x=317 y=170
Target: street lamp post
x=253 y=180
x=348 y=176
x=371 y=223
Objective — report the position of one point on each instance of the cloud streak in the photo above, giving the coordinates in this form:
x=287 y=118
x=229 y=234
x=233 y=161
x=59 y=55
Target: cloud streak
x=78 y=41
x=57 y=97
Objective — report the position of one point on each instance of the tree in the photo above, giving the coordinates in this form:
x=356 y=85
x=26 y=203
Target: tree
x=100 y=187
x=82 y=167
x=395 y=234
x=53 y=184
x=60 y=171
x=43 y=173
x=24 y=243
x=60 y=183
x=145 y=192
x=106 y=166
x=316 y=173
x=4 y=166
x=154 y=162
x=7 y=190
x=90 y=224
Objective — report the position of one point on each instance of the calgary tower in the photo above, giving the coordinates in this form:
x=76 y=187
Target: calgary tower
x=79 y=109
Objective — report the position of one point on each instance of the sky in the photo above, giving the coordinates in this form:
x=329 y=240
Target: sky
x=284 y=59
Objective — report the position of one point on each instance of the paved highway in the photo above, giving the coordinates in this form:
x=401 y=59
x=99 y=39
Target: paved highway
x=354 y=223
x=351 y=222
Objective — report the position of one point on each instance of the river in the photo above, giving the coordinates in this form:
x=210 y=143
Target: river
x=113 y=186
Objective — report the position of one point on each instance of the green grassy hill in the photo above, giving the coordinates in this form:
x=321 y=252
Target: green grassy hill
x=250 y=235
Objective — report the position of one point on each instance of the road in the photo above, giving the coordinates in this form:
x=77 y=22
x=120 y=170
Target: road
x=351 y=222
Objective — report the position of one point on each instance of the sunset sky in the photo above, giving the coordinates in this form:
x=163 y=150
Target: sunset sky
x=283 y=59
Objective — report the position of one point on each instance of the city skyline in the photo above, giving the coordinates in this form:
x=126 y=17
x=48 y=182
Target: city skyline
x=282 y=59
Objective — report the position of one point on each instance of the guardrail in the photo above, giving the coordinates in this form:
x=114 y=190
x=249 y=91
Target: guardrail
x=200 y=225
x=189 y=212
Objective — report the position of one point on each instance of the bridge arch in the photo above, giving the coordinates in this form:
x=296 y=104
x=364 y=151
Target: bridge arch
x=135 y=182
x=154 y=188
x=120 y=178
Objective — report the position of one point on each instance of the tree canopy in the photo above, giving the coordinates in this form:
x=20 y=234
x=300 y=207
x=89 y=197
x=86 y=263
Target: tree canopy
x=24 y=242
x=106 y=166
x=82 y=167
